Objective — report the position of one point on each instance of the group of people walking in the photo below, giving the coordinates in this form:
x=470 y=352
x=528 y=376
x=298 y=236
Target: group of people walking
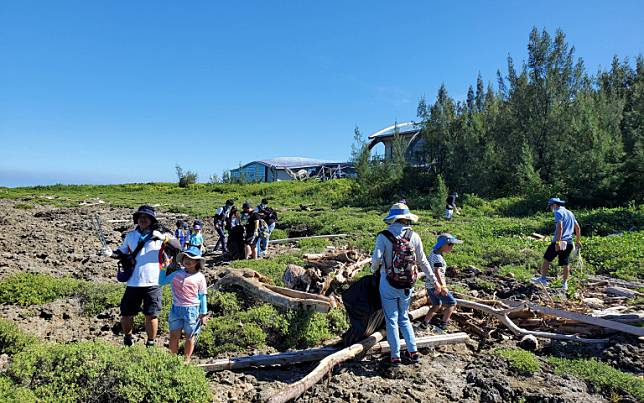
x=399 y=250
x=397 y=254
x=244 y=234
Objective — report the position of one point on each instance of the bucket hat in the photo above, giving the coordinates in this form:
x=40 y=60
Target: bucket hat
x=445 y=239
x=191 y=256
x=400 y=211
x=147 y=210
x=555 y=200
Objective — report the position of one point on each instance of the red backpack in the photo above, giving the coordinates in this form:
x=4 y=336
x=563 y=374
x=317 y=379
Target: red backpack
x=402 y=273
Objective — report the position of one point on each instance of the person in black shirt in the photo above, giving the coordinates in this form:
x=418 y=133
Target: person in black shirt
x=250 y=220
x=269 y=216
x=450 y=205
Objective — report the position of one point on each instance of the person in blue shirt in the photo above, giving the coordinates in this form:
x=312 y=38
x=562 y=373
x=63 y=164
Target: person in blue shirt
x=561 y=246
x=195 y=240
x=181 y=234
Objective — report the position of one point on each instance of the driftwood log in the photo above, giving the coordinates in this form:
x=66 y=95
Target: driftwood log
x=502 y=316
x=260 y=291
x=579 y=317
x=316 y=354
x=296 y=389
x=287 y=240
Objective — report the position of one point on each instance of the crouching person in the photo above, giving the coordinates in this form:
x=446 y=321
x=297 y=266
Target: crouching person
x=440 y=296
x=189 y=301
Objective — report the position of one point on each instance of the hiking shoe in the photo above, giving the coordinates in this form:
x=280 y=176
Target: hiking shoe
x=540 y=280
x=128 y=341
x=394 y=362
x=411 y=358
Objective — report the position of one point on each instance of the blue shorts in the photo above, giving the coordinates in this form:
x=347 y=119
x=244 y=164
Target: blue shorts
x=438 y=299
x=183 y=317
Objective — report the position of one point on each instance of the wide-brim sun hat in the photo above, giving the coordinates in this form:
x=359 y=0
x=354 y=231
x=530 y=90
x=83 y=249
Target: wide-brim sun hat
x=146 y=210
x=191 y=256
x=555 y=200
x=445 y=239
x=400 y=211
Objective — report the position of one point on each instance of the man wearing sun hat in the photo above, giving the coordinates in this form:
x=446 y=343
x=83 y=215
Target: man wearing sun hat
x=142 y=292
x=565 y=227
x=395 y=301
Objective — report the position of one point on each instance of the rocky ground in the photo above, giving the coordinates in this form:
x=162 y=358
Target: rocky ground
x=63 y=242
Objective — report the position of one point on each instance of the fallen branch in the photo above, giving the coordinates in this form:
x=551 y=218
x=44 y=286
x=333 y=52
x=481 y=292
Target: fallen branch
x=296 y=389
x=501 y=315
x=315 y=354
x=609 y=324
x=286 y=240
x=300 y=294
x=261 y=292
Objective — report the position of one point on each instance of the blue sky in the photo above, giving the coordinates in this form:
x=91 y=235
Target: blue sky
x=121 y=91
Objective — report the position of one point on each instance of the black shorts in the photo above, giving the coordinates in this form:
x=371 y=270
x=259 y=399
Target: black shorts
x=564 y=255
x=133 y=297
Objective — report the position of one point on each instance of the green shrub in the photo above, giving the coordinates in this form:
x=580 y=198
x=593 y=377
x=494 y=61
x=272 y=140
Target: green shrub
x=12 y=339
x=97 y=371
x=273 y=268
x=307 y=329
x=222 y=303
x=601 y=375
x=242 y=330
x=97 y=297
x=520 y=360
x=12 y=393
x=338 y=321
x=520 y=273
x=26 y=289
x=23 y=206
x=485 y=285
x=315 y=245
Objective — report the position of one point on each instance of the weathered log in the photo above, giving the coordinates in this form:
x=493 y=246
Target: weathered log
x=301 y=294
x=286 y=240
x=622 y=292
x=502 y=316
x=622 y=327
x=315 y=354
x=296 y=389
x=259 y=291
x=635 y=285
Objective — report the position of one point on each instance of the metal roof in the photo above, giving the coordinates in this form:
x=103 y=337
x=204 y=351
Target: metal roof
x=403 y=128
x=296 y=162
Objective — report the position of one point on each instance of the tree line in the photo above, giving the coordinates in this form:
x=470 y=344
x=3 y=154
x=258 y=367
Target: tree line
x=546 y=127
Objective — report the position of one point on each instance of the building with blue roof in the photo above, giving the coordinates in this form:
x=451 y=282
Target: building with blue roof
x=289 y=168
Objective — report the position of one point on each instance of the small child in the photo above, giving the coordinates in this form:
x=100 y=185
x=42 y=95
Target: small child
x=195 y=240
x=444 y=244
x=189 y=301
x=180 y=233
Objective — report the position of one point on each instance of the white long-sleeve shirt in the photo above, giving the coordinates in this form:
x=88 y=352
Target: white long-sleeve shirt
x=383 y=251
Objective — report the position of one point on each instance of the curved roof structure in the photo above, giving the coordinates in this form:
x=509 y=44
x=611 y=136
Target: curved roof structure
x=403 y=128
x=296 y=162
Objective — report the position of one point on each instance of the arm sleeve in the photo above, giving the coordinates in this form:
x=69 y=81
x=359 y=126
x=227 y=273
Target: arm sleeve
x=378 y=250
x=430 y=278
x=165 y=279
x=124 y=248
x=203 y=304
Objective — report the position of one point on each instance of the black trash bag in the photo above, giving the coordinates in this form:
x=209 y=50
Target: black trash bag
x=364 y=309
x=236 y=242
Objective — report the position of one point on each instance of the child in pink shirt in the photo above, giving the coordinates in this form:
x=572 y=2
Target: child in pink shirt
x=189 y=300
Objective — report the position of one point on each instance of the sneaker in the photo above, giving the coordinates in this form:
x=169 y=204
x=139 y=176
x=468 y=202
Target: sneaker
x=540 y=280
x=564 y=286
x=424 y=325
x=128 y=341
x=150 y=343
x=411 y=358
x=394 y=362
x=441 y=327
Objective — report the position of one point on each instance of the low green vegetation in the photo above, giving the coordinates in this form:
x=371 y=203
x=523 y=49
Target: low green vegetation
x=97 y=371
x=273 y=267
x=12 y=393
x=524 y=362
x=26 y=289
x=315 y=245
x=601 y=375
x=518 y=273
x=12 y=339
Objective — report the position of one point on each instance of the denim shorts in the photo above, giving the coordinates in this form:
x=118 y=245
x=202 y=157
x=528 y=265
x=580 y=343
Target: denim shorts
x=438 y=299
x=183 y=317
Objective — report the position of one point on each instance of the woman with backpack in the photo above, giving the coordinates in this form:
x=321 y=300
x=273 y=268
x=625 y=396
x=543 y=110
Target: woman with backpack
x=398 y=252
